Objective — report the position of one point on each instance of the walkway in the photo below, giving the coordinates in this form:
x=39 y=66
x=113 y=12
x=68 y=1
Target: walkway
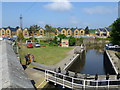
x=78 y=83
x=114 y=60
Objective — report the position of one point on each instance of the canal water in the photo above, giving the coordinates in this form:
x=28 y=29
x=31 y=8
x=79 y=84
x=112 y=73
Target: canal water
x=90 y=62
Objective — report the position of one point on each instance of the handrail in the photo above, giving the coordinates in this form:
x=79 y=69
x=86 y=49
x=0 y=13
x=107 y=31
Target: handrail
x=84 y=82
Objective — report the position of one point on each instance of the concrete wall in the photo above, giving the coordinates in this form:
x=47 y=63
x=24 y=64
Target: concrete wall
x=13 y=75
x=108 y=65
x=93 y=41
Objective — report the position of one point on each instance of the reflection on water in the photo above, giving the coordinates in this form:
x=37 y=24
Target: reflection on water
x=91 y=61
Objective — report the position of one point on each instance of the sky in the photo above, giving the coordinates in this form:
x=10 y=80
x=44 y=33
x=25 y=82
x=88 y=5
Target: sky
x=60 y=14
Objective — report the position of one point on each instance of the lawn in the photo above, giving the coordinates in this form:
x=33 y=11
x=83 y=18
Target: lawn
x=46 y=55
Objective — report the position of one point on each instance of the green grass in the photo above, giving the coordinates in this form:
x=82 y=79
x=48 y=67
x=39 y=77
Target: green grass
x=46 y=55
x=119 y=53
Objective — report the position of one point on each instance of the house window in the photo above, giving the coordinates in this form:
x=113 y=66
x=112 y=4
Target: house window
x=41 y=32
x=19 y=31
x=2 y=31
x=8 y=32
x=76 y=31
x=56 y=33
x=63 y=31
x=81 y=31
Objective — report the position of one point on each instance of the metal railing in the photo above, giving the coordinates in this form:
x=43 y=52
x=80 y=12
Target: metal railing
x=71 y=82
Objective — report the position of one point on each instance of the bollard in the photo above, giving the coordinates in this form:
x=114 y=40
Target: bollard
x=107 y=76
x=118 y=76
x=96 y=77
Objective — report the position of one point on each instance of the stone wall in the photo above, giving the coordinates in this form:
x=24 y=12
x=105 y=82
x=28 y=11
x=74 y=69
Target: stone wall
x=12 y=72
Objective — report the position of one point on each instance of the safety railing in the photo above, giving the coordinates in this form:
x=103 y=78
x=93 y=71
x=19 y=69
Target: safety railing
x=71 y=82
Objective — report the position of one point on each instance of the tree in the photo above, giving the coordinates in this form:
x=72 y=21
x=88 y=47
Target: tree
x=17 y=27
x=87 y=30
x=33 y=29
x=115 y=32
x=49 y=30
x=79 y=41
x=62 y=36
x=72 y=41
x=20 y=36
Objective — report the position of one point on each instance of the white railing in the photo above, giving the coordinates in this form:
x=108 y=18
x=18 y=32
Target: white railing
x=71 y=82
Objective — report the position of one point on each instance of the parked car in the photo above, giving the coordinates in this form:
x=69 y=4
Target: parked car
x=12 y=39
x=110 y=45
x=36 y=44
x=28 y=41
x=29 y=45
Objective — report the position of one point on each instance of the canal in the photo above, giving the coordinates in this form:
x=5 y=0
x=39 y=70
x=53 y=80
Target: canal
x=91 y=61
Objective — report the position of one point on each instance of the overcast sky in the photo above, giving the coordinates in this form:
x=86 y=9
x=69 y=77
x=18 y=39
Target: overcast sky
x=60 y=14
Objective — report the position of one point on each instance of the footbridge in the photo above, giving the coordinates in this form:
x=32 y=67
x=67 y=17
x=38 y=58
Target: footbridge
x=81 y=81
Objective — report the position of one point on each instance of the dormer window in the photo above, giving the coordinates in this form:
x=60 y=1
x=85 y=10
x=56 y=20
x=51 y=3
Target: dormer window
x=2 y=31
x=41 y=31
x=76 y=31
x=68 y=32
x=7 y=31
x=81 y=31
x=63 y=31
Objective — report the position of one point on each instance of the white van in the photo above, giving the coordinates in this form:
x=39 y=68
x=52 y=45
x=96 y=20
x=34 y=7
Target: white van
x=1 y=38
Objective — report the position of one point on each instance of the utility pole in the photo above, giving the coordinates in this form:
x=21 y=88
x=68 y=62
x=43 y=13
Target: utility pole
x=119 y=9
x=21 y=21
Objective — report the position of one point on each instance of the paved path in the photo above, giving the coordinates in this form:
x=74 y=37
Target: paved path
x=114 y=60
x=66 y=60
x=37 y=76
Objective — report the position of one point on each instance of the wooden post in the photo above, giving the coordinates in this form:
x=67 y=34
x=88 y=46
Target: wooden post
x=63 y=81
x=96 y=83
x=47 y=76
x=108 y=83
x=72 y=82
x=83 y=83
x=55 y=78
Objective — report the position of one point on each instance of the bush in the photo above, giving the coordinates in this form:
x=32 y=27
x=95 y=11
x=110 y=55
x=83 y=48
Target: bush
x=72 y=40
x=79 y=41
x=52 y=44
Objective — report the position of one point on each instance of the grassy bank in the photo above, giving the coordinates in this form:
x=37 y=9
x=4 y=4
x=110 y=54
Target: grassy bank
x=46 y=55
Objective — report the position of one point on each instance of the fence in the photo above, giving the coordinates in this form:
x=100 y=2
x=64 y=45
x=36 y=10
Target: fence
x=71 y=82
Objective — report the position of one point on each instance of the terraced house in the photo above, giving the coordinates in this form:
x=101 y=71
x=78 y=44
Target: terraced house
x=71 y=32
x=7 y=32
x=10 y=32
x=103 y=32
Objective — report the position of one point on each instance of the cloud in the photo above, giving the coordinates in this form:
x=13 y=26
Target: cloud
x=59 y=5
x=99 y=10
